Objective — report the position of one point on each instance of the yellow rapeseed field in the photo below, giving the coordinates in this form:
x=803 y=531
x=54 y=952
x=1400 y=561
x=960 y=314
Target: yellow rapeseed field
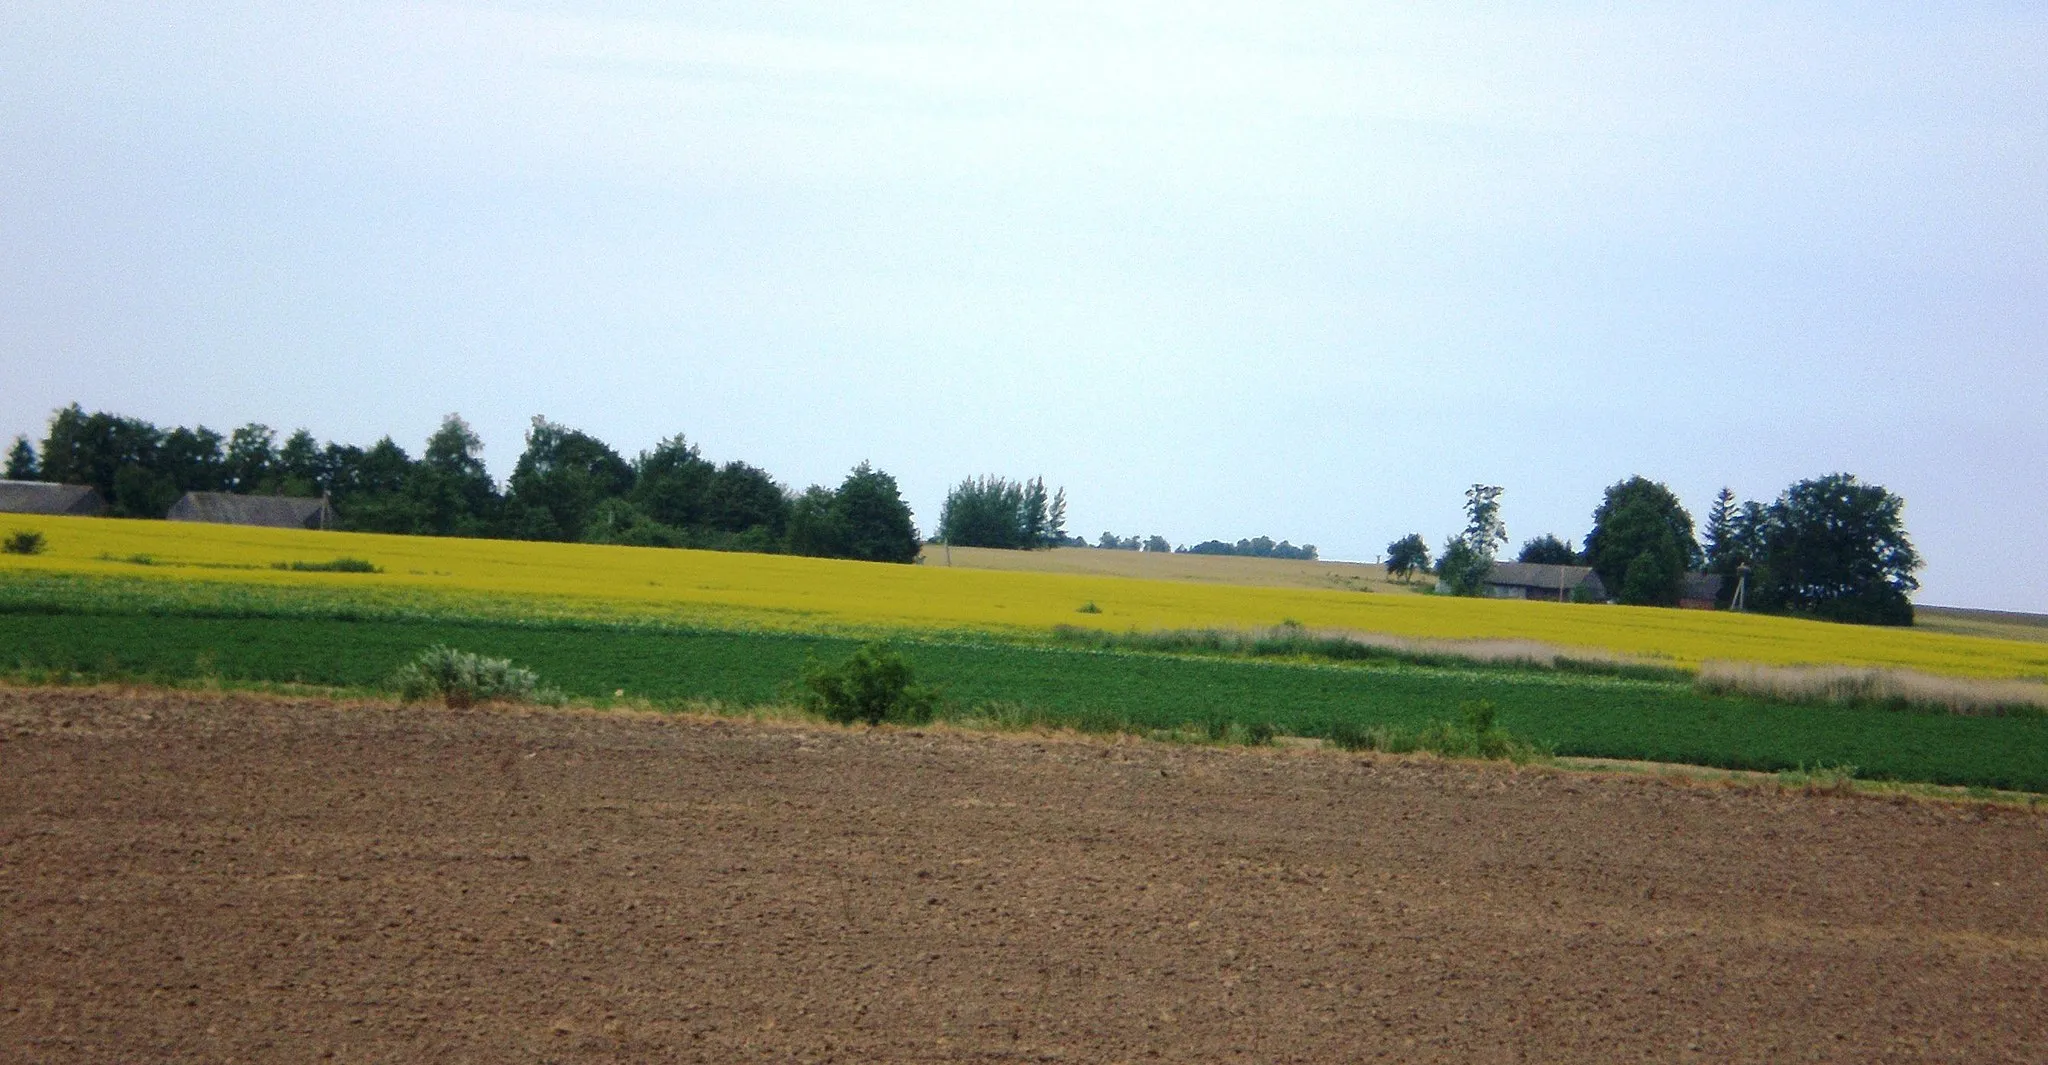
x=787 y=592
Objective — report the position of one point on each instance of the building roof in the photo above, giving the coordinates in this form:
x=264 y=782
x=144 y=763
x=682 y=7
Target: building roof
x=1701 y=586
x=1543 y=575
x=224 y=508
x=41 y=497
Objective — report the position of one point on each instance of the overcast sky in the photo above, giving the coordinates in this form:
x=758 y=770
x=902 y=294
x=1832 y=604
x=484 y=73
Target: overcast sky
x=1299 y=270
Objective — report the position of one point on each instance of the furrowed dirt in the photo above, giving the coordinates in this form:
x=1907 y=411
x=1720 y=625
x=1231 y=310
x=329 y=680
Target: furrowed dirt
x=235 y=878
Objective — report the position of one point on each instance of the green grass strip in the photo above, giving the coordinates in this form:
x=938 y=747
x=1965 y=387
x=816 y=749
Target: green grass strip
x=1593 y=716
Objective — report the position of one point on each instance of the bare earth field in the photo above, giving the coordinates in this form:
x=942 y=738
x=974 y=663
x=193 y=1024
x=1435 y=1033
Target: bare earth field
x=1166 y=566
x=238 y=878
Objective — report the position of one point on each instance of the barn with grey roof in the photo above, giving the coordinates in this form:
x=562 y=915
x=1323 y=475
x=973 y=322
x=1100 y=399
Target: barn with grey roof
x=41 y=497
x=277 y=512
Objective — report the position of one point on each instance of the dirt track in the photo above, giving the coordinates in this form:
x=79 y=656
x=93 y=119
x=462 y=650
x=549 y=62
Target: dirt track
x=231 y=878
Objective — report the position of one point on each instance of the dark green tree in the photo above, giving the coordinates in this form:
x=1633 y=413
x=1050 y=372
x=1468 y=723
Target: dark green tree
x=1837 y=549
x=877 y=520
x=251 y=465
x=672 y=483
x=454 y=492
x=375 y=498
x=559 y=479
x=298 y=464
x=1635 y=517
x=193 y=459
x=984 y=512
x=21 y=461
x=1467 y=559
x=1462 y=569
x=1407 y=556
x=817 y=526
x=745 y=499
x=92 y=449
x=1547 y=550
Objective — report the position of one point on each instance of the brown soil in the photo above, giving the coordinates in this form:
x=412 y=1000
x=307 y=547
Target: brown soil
x=234 y=878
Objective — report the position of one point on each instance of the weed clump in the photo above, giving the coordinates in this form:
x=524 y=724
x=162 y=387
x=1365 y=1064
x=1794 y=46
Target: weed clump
x=338 y=565
x=1476 y=734
x=461 y=680
x=871 y=687
x=23 y=542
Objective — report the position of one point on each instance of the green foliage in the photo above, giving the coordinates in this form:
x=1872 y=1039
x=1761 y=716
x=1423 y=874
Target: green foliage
x=872 y=686
x=1638 y=518
x=1484 y=531
x=21 y=461
x=1476 y=735
x=1547 y=550
x=866 y=518
x=560 y=479
x=672 y=483
x=1463 y=569
x=997 y=512
x=251 y=461
x=461 y=679
x=335 y=565
x=1089 y=607
x=23 y=542
x=1255 y=547
x=1836 y=549
x=877 y=520
x=1407 y=556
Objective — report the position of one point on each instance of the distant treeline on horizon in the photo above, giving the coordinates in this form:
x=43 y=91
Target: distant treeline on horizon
x=566 y=486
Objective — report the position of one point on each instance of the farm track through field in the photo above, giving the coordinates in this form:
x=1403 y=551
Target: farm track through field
x=228 y=877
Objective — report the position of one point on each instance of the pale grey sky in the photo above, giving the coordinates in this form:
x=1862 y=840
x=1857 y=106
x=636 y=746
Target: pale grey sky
x=1301 y=270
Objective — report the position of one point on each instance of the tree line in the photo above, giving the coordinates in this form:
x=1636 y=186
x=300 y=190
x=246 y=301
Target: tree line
x=1828 y=547
x=567 y=485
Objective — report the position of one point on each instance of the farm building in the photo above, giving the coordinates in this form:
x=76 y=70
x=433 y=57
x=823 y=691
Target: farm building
x=224 y=508
x=1530 y=580
x=1702 y=591
x=39 y=497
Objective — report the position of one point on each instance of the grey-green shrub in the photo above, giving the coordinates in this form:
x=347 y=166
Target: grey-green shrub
x=23 y=542
x=461 y=679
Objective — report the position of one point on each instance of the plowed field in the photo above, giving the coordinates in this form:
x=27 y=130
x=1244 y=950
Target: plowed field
x=234 y=878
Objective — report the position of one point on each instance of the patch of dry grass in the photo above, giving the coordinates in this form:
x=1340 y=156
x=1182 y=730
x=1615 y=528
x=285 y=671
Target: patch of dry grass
x=1880 y=687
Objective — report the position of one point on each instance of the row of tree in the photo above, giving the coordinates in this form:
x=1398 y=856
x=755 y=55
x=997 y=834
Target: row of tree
x=1256 y=547
x=567 y=485
x=997 y=512
x=1828 y=547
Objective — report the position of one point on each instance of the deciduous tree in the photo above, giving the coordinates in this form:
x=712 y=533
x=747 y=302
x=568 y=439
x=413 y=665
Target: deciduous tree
x=1407 y=556
x=1635 y=517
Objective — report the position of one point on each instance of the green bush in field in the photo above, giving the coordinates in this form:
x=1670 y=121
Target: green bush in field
x=1473 y=735
x=461 y=679
x=338 y=565
x=873 y=686
x=23 y=542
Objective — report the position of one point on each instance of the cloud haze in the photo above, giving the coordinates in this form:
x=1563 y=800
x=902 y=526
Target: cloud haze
x=1306 y=272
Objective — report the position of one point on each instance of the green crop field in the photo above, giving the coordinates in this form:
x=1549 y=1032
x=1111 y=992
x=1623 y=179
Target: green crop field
x=1602 y=716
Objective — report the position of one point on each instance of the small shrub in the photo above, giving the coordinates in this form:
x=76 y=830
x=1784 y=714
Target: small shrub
x=1089 y=607
x=1822 y=779
x=461 y=679
x=339 y=565
x=23 y=542
x=871 y=687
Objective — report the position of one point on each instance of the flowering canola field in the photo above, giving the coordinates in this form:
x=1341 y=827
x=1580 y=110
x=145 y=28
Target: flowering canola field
x=775 y=591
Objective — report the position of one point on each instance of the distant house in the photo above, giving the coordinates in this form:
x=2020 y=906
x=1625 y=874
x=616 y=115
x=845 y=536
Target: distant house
x=1558 y=584
x=224 y=508
x=40 y=497
x=1702 y=591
